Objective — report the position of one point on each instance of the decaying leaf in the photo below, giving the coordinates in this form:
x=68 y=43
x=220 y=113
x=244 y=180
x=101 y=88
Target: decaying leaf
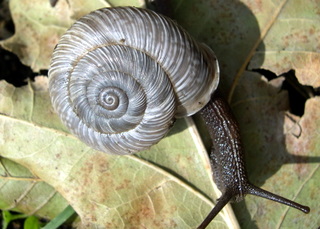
x=278 y=37
x=103 y=189
x=21 y=191
x=170 y=185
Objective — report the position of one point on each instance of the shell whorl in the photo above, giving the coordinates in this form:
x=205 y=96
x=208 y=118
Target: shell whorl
x=119 y=77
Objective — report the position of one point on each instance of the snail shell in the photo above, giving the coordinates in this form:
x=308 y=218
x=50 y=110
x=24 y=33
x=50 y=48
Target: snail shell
x=120 y=76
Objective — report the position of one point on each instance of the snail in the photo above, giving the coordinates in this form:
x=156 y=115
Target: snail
x=128 y=98
x=119 y=77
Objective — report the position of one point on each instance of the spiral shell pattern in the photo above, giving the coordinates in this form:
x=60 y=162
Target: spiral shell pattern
x=120 y=76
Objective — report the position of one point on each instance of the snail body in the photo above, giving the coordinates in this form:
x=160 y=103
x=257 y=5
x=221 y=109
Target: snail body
x=120 y=76
x=227 y=160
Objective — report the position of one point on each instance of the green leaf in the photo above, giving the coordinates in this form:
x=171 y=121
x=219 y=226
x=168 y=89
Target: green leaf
x=5 y=220
x=7 y=217
x=60 y=219
x=31 y=222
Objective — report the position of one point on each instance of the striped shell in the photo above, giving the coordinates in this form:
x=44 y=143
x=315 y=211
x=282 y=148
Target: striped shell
x=120 y=76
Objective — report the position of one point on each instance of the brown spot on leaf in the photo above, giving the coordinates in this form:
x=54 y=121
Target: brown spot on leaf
x=126 y=183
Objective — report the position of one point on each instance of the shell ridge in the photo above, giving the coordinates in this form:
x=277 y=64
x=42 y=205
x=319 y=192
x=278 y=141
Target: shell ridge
x=132 y=56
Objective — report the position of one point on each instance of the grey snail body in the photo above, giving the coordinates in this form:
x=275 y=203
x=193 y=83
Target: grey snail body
x=120 y=76
x=227 y=160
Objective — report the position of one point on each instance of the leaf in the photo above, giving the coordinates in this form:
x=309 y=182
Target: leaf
x=106 y=190
x=35 y=130
x=27 y=110
x=23 y=192
x=275 y=36
x=31 y=222
x=7 y=217
x=39 y=26
x=61 y=218
x=137 y=3
x=244 y=34
x=296 y=167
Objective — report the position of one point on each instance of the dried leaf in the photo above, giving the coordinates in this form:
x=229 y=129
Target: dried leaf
x=39 y=26
x=278 y=37
x=244 y=34
x=38 y=141
x=23 y=192
x=107 y=190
